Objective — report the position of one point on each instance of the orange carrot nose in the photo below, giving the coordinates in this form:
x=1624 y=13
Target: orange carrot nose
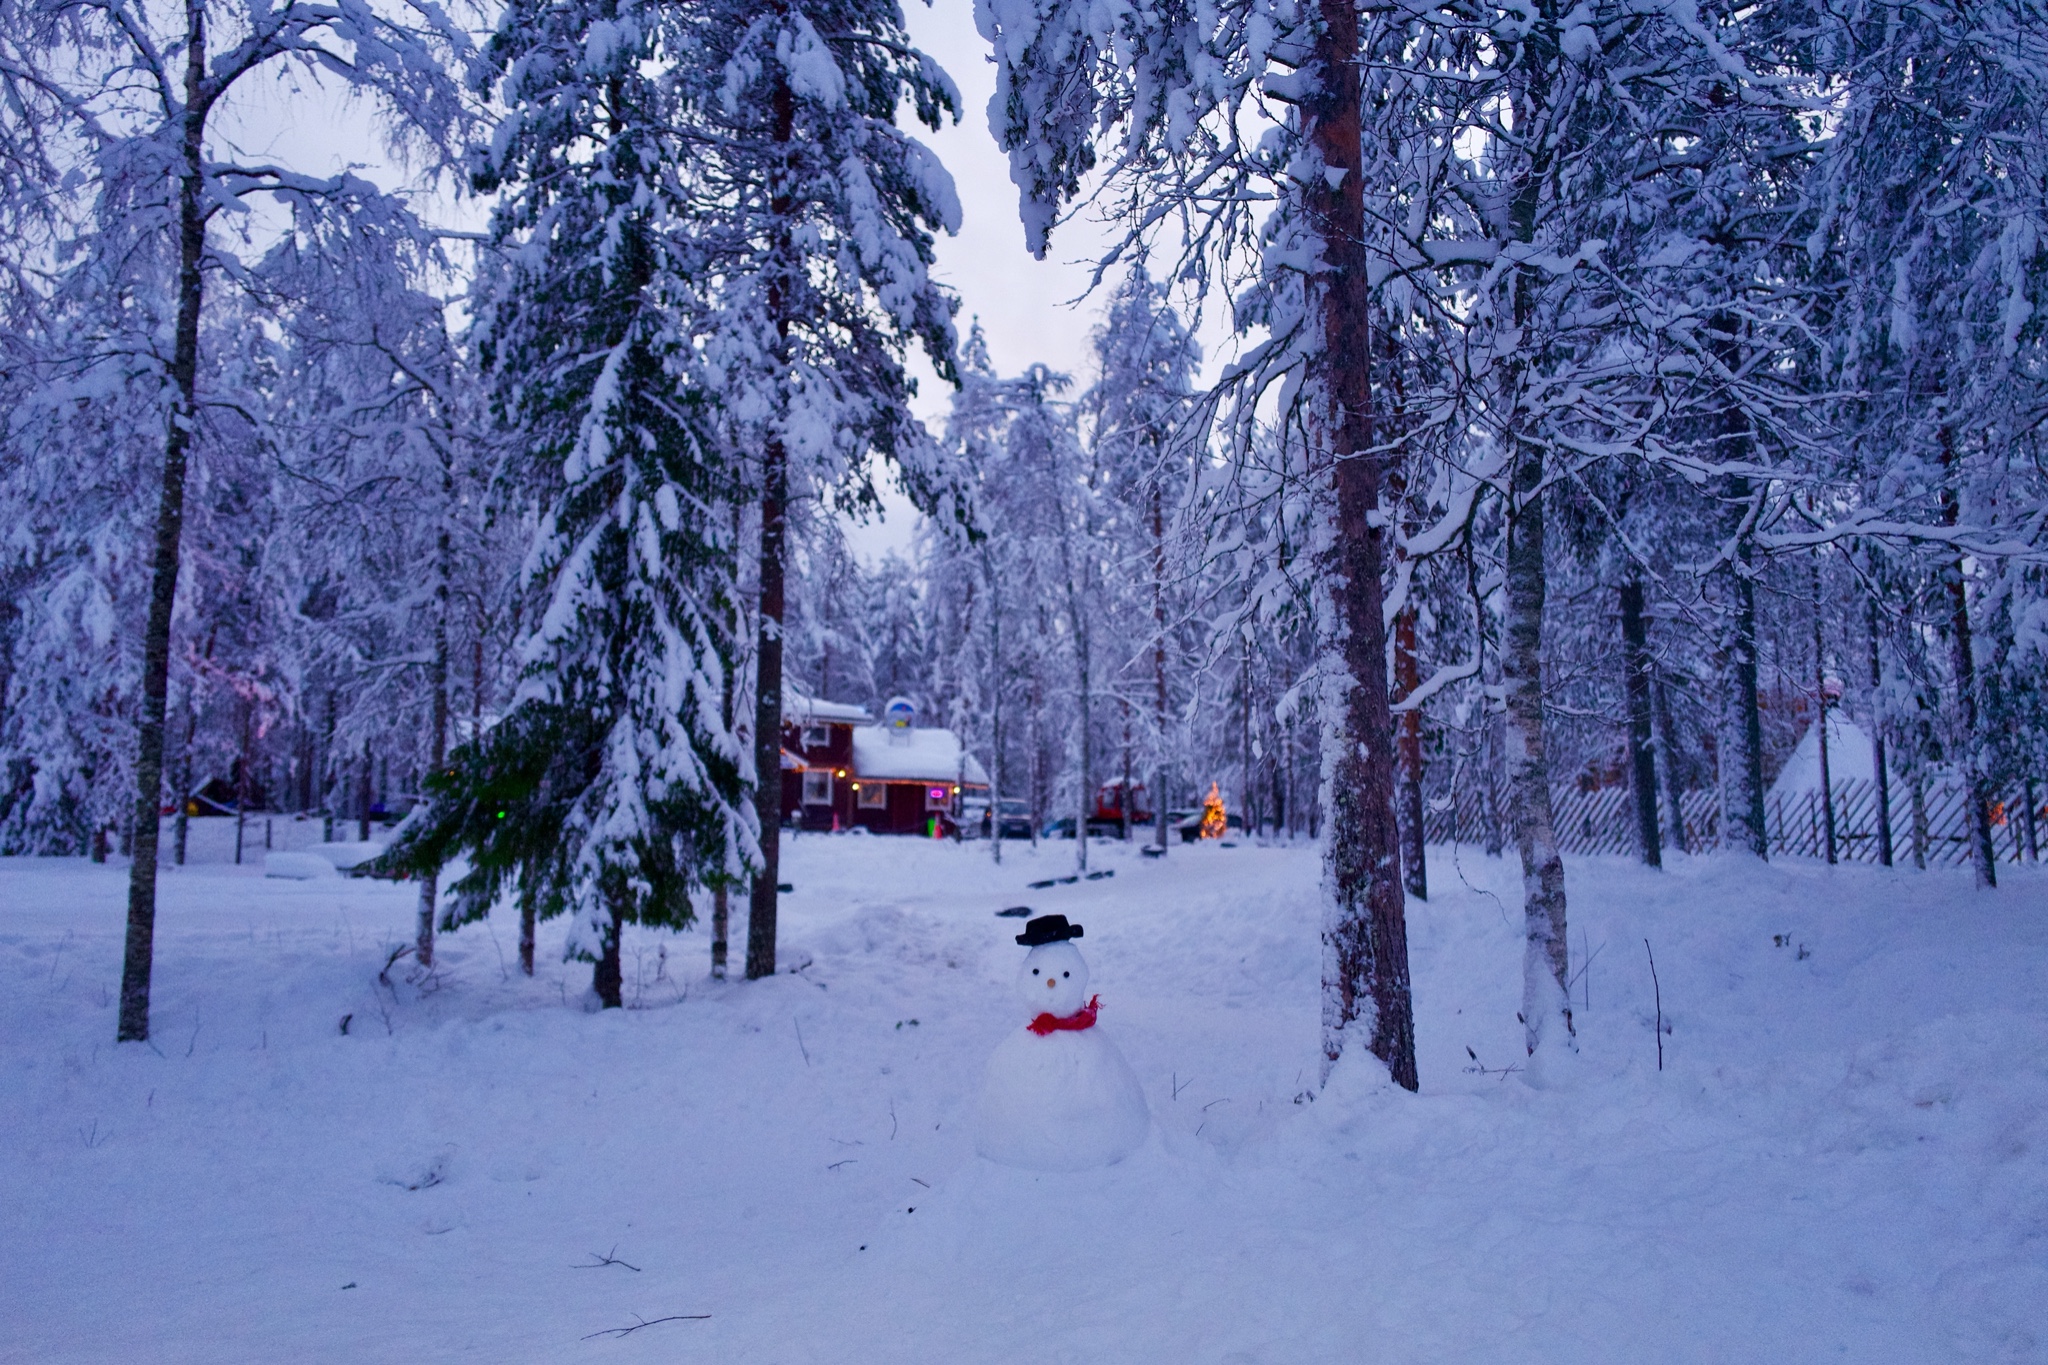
x=1050 y=984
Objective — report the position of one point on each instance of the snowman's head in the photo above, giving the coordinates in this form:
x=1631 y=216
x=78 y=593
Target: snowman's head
x=1053 y=980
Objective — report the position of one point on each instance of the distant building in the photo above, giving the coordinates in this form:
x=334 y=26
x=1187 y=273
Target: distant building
x=841 y=770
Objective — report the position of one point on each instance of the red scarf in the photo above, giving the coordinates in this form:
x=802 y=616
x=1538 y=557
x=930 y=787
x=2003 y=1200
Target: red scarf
x=1045 y=1024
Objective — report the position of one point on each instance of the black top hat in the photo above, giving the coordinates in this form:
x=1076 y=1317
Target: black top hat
x=1047 y=929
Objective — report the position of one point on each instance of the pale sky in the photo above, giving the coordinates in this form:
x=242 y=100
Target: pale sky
x=1023 y=304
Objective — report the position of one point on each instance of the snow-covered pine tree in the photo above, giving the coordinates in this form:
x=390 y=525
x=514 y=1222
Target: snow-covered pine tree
x=815 y=215
x=132 y=97
x=612 y=786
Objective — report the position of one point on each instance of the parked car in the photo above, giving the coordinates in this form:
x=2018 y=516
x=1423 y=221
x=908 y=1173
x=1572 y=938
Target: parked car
x=1014 y=819
x=1189 y=823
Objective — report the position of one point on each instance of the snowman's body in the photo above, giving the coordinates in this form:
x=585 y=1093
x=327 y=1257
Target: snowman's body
x=1057 y=1095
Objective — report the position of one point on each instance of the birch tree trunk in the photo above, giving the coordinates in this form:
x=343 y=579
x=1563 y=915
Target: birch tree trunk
x=1365 y=932
x=139 y=951
x=1546 y=956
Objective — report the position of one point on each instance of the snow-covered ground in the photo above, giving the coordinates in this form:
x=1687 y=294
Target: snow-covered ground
x=1845 y=1157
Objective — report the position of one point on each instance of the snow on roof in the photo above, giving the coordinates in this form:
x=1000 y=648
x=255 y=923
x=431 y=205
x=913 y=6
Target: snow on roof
x=797 y=708
x=914 y=756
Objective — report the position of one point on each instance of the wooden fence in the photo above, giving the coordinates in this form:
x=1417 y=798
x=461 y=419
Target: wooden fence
x=1604 y=821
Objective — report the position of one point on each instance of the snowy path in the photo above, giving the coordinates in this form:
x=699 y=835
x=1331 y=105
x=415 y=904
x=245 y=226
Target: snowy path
x=1846 y=1157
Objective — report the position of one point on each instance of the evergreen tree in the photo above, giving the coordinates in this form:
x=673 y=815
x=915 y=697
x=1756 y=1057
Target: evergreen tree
x=613 y=785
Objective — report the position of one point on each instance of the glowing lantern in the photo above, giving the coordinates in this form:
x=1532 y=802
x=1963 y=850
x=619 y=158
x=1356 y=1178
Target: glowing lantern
x=1215 y=822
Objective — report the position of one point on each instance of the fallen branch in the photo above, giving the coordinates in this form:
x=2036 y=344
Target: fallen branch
x=1659 y=992
x=598 y=1262
x=647 y=1322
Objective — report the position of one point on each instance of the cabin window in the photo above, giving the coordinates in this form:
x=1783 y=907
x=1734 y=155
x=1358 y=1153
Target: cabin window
x=937 y=797
x=872 y=795
x=817 y=736
x=818 y=789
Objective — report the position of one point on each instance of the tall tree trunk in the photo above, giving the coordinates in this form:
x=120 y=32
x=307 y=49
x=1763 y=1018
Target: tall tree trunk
x=181 y=782
x=721 y=926
x=1667 y=760
x=1408 y=677
x=1820 y=697
x=1919 y=819
x=527 y=916
x=139 y=951
x=1743 y=796
x=1546 y=955
x=1159 y=802
x=2033 y=823
x=1083 y=665
x=608 y=977
x=1546 y=952
x=1124 y=806
x=761 y=910
x=1877 y=745
x=995 y=694
x=1494 y=748
x=1635 y=667
x=331 y=790
x=1365 y=930
x=366 y=781
x=437 y=680
x=1963 y=661
x=242 y=781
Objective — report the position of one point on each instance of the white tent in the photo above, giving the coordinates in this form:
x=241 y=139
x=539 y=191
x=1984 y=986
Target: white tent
x=1851 y=758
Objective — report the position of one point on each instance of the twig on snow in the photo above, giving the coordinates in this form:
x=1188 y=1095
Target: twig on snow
x=1658 y=990
x=646 y=1322
x=800 y=1041
x=598 y=1262
x=384 y=972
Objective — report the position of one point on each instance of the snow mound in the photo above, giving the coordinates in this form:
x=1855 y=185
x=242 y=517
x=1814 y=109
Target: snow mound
x=297 y=867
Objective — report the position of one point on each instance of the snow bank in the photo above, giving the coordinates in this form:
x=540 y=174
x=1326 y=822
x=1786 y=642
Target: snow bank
x=345 y=857
x=1842 y=1159
x=297 y=866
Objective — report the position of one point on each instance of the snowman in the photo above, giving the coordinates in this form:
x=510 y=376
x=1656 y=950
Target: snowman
x=1058 y=1096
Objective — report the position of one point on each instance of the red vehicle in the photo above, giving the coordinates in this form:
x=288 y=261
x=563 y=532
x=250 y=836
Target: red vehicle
x=1109 y=807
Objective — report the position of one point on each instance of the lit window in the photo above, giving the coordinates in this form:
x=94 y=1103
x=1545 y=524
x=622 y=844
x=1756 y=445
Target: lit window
x=817 y=789
x=935 y=798
x=873 y=795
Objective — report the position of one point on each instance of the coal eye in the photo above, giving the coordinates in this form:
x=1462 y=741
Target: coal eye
x=1066 y=973
x=1034 y=971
